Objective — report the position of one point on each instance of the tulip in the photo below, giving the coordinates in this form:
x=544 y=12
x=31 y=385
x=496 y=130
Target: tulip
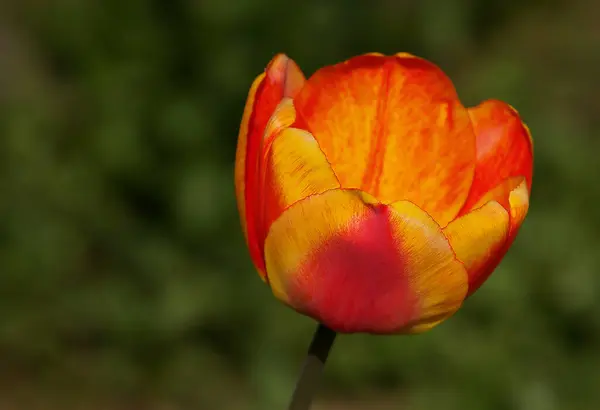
x=371 y=199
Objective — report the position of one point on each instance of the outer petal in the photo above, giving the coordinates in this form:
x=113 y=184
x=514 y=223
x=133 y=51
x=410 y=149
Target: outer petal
x=393 y=127
x=482 y=237
x=360 y=266
x=504 y=149
x=282 y=78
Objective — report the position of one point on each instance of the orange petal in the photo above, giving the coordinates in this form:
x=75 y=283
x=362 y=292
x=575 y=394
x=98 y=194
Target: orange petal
x=393 y=127
x=360 y=266
x=282 y=78
x=504 y=149
x=482 y=237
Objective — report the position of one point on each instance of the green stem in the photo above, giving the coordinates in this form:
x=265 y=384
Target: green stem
x=310 y=376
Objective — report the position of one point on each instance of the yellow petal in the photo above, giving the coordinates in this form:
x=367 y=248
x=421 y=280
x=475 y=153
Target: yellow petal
x=478 y=239
x=482 y=237
x=295 y=169
x=519 y=205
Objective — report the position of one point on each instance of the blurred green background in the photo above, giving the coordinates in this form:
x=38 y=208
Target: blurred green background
x=125 y=282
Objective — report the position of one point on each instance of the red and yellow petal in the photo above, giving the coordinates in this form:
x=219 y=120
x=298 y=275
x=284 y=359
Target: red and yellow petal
x=361 y=266
x=482 y=237
x=504 y=149
x=282 y=78
x=393 y=127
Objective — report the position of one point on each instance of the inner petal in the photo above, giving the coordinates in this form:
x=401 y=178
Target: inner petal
x=392 y=127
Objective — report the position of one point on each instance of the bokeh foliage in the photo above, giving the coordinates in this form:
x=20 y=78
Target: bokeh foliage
x=124 y=279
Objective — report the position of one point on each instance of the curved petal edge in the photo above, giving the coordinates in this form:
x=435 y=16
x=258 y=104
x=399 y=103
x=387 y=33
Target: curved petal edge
x=482 y=237
x=504 y=149
x=282 y=78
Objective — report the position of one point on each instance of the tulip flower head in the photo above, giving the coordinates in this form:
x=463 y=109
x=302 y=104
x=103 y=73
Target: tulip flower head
x=370 y=198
